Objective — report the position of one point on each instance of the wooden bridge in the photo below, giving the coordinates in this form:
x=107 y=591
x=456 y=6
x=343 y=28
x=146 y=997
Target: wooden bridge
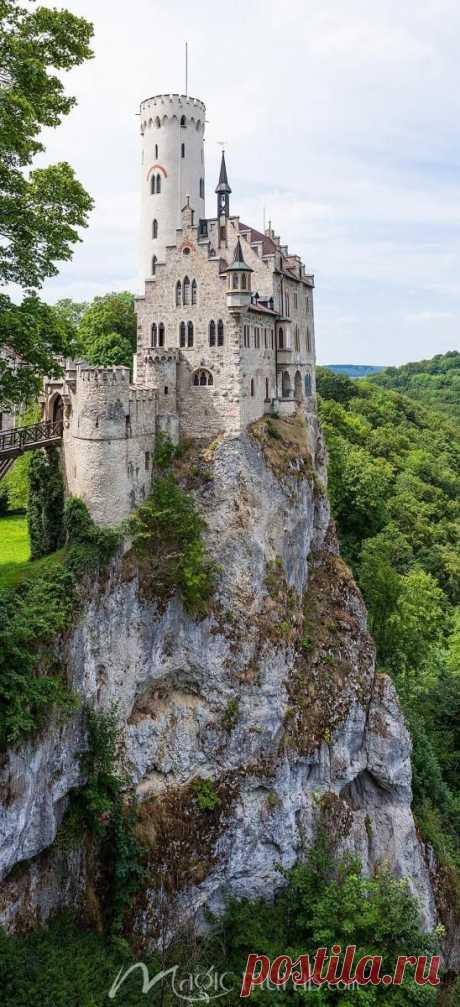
x=39 y=435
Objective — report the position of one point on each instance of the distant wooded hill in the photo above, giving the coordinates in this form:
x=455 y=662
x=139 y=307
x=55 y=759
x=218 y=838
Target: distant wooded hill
x=434 y=382
x=354 y=370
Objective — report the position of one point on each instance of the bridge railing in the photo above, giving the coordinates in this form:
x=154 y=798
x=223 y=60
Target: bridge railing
x=21 y=438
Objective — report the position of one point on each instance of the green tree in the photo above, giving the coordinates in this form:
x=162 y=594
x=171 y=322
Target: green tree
x=110 y=349
x=45 y=510
x=40 y=211
x=106 y=317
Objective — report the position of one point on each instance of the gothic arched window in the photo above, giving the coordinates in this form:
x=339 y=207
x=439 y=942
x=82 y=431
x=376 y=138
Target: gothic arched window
x=267 y=395
x=182 y=334
x=155 y=229
x=182 y=150
x=183 y=122
x=190 y=334
x=161 y=334
x=153 y=185
x=186 y=291
x=178 y=293
x=158 y=183
x=212 y=333
x=194 y=291
x=202 y=378
x=154 y=265
x=201 y=188
x=243 y=281
x=308 y=383
x=308 y=341
x=220 y=332
x=280 y=339
x=153 y=340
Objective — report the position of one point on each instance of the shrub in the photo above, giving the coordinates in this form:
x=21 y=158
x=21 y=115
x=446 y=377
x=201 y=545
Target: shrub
x=206 y=795
x=167 y=531
x=4 y=500
x=45 y=508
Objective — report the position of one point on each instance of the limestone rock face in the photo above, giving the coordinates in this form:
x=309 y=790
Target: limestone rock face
x=273 y=697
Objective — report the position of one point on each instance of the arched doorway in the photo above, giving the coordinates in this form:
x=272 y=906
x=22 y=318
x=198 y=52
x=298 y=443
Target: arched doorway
x=286 y=385
x=298 y=386
x=57 y=412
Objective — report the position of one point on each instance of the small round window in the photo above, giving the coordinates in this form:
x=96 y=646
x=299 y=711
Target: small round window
x=186 y=251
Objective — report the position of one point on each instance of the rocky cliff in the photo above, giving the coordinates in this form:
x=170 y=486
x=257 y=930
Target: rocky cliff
x=272 y=697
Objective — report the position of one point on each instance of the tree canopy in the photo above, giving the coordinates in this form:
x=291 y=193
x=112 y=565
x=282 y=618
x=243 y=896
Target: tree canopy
x=41 y=210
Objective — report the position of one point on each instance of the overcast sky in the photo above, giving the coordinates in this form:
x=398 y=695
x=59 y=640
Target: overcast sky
x=340 y=120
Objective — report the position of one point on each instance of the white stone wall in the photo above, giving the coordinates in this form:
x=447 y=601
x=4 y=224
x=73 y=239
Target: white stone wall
x=162 y=139
x=108 y=442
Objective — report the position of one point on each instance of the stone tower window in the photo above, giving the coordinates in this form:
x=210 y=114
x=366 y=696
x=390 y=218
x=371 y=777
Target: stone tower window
x=286 y=385
x=153 y=334
x=267 y=393
x=158 y=183
x=155 y=229
x=182 y=334
x=235 y=281
x=182 y=150
x=308 y=383
x=178 y=293
x=156 y=151
x=183 y=122
x=161 y=334
x=190 y=334
x=201 y=188
x=280 y=339
x=308 y=340
x=202 y=378
x=154 y=265
x=194 y=291
x=220 y=332
x=186 y=291
x=212 y=333
x=252 y=388
x=244 y=281
x=153 y=185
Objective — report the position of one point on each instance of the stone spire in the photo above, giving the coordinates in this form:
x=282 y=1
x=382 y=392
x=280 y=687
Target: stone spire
x=223 y=190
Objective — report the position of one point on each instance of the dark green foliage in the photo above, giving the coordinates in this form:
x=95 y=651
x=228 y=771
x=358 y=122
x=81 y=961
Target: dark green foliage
x=167 y=538
x=33 y=615
x=205 y=794
x=104 y=808
x=4 y=500
x=323 y=903
x=394 y=480
x=107 y=331
x=41 y=211
x=333 y=385
x=165 y=451
x=45 y=509
x=435 y=382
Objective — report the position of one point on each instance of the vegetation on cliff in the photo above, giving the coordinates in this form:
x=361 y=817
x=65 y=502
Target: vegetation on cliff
x=394 y=483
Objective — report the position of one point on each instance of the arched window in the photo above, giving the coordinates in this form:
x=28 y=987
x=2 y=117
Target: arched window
x=194 y=291
x=156 y=151
x=155 y=229
x=297 y=339
x=220 y=332
x=182 y=334
x=182 y=150
x=154 y=265
x=157 y=122
x=202 y=378
x=190 y=334
x=153 y=185
x=252 y=388
x=212 y=333
x=235 y=281
x=161 y=334
x=286 y=385
x=201 y=188
x=308 y=383
x=178 y=293
x=186 y=291
x=183 y=121
x=308 y=340
x=244 y=281
x=297 y=385
x=158 y=183
x=267 y=395
x=280 y=339
x=153 y=340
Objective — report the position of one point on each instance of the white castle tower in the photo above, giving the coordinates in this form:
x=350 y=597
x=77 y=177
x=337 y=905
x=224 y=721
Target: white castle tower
x=172 y=130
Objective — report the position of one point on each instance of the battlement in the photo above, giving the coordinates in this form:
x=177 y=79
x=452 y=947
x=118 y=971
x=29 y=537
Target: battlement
x=103 y=375
x=157 y=111
x=137 y=393
x=154 y=356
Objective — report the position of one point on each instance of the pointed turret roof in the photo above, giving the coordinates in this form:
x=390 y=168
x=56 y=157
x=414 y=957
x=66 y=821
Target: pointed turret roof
x=238 y=261
x=223 y=185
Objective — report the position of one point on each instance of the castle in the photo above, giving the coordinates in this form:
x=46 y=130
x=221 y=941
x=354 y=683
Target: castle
x=225 y=327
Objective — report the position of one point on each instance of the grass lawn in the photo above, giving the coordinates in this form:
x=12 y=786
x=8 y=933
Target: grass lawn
x=15 y=562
